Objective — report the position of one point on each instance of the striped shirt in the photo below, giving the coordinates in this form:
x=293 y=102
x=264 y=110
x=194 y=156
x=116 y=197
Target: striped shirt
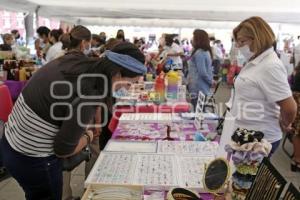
x=28 y=133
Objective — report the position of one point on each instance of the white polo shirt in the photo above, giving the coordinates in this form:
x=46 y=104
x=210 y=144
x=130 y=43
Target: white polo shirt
x=260 y=84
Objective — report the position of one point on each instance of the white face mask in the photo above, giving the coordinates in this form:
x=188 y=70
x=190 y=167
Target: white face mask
x=120 y=92
x=245 y=51
x=87 y=50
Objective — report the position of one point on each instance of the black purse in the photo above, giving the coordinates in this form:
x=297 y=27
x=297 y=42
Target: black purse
x=71 y=162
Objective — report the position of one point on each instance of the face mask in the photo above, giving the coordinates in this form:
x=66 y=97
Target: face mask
x=245 y=51
x=120 y=92
x=103 y=39
x=87 y=50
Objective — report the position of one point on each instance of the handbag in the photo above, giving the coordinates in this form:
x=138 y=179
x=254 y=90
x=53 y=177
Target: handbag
x=73 y=161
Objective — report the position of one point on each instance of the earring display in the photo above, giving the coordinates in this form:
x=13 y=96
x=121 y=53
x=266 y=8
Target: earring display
x=192 y=169
x=131 y=146
x=154 y=131
x=113 y=168
x=116 y=193
x=188 y=147
x=156 y=170
x=145 y=117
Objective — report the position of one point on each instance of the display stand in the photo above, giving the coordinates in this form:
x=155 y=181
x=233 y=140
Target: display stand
x=228 y=130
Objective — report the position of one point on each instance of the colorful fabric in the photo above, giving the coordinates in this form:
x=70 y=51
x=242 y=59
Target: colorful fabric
x=249 y=158
x=263 y=147
x=243 y=136
x=126 y=61
x=247 y=169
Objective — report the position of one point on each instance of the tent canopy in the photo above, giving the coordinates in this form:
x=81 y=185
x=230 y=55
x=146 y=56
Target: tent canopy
x=171 y=13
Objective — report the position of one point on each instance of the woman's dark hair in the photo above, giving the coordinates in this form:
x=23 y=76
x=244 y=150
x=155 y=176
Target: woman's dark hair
x=56 y=33
x=76 y=36
x=169 y=39
x=120 y=34
x=201 y=41
x=16 y=33
x=65 y=40
x=111 y=43
x=43 y=31
x=97 y=38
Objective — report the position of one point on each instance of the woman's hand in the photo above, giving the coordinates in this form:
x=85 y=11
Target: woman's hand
x=90 y=134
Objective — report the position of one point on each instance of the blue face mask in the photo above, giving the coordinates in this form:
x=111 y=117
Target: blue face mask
x=120 y=92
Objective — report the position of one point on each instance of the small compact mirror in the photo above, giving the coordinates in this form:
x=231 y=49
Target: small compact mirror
x=216 y=175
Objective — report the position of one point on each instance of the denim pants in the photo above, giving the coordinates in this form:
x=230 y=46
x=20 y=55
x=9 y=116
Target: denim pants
x=275 y=146
x=40 y=177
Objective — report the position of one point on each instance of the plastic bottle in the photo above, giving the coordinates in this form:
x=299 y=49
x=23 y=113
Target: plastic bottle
x=160 y=87
x=22 y=74
x=172 y=88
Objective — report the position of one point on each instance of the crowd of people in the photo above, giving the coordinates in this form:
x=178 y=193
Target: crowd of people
x=35 y=143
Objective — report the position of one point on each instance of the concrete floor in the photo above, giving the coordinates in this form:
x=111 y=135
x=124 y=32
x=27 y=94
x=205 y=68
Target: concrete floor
x=10 y=190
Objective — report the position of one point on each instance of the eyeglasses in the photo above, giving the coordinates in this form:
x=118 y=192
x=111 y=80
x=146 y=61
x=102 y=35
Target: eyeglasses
x=242 y=41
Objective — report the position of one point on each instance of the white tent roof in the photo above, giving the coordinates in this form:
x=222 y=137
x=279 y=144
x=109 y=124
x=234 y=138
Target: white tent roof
x=170 y=13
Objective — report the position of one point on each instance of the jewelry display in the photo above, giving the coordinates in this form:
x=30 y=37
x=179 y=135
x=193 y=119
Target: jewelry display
x=156 y=170
x=153 y=170
x=113 y=168
x=154 y=131
x=248 y=148
x=115 y=193
x=145 y=117
x=131 y=146
x=192 y=169
x=188 y=147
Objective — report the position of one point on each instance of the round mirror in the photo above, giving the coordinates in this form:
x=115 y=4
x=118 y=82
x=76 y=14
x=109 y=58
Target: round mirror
x=216 y=175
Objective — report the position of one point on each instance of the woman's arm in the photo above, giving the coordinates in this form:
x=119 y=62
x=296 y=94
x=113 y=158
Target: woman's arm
x=288 y=110
x=70 y=139
x=83 y=141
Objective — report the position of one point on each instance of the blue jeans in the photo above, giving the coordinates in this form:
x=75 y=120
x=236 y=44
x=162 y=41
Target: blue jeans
x=275 y=146
x=40 y=177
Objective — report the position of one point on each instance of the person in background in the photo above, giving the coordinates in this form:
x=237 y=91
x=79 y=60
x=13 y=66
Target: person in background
x=55 y=50
x=173 y=52
x=103 y=42
x=8 y=40
x=17 y=37
x=200 y=75
x=138 y=43
x=36 y=163
x=295 y=132
x=296 y=54
x=96 y=41
x=261 y=90
x=42 y=44
x=217 y=55
x=103 y=37
x=120 y=35
x=95 y=46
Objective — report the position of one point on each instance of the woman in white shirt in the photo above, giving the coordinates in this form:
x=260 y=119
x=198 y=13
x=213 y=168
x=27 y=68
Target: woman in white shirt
x=55 y=50
x=262 y=99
